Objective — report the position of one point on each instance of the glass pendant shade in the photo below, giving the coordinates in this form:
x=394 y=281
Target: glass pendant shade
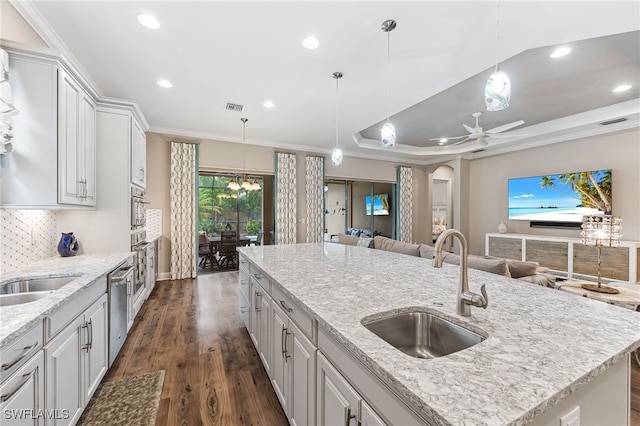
x=336 y=157
x=497 y=93
x=233 y=185
x=255 y=186
x=246 y=185
x=388 y=135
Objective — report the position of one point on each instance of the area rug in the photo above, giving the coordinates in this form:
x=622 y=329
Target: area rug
x=132 y=401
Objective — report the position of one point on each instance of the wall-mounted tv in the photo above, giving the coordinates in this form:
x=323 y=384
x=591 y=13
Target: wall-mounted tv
x=560 y=199
x=380 y=205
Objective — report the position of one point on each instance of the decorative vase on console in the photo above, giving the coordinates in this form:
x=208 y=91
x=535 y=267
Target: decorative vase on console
x=502 y=228
x=68 y=245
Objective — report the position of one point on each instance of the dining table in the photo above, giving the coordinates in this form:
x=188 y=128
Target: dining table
x=214 y=242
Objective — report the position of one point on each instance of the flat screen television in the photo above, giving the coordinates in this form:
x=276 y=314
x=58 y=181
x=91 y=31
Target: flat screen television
x=560 y=199
x=380 y=205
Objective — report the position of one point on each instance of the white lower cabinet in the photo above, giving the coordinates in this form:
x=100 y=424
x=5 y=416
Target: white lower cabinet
x=293 y=365
x=22 y=394
x=337 y=402
x=76 y=360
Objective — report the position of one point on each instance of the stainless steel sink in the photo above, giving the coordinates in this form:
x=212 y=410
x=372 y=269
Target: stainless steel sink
x=422 y=334
x=20 y=298
x=36 y=284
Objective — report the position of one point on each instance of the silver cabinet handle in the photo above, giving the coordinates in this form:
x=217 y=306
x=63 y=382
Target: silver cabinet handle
x=90 y=334
x=86 y=346
x=285 y=307
x=243 y=309
x=282 y=341
x=257 y=276
x=255 y=302
x=24 y=381
x=25 y=350
x=349 y=417
x=286 y=352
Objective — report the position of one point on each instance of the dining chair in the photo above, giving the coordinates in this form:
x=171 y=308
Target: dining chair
x=207 y=258
x=228 y=254
x=258 y=241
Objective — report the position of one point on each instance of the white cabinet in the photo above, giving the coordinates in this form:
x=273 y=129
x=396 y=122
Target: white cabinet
x=151 y=269
x=338 y=403
x=293 y=362
x=54 y=160
x=22 y=395
x=259 y=321
x=76 y=143
x=138 y=156
x=75 y=361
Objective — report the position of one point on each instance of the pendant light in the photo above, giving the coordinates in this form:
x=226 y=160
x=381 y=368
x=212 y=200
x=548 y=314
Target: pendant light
x=336 y=155
x=246 y=185
x=497 y=92
x=388 y=132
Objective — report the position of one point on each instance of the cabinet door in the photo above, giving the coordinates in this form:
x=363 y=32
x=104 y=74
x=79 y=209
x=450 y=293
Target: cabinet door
x=151 y=275
x=279 y=371
x=264 y=341
x=254 y=295
x=138 y=155
x=302 y=364
x=69 y=143
x=63 y=361
x=88 y=152
x=23 y=394
x=368 y=417
x=336 y=402
x=97 y=354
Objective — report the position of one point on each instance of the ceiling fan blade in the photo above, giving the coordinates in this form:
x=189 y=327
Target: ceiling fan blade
x=469 y=129
x=507 y=135
x=449 y=138
x=457 y=143
x=505 y=127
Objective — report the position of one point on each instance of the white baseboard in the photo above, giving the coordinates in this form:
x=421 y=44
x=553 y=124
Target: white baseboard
x=163 y=276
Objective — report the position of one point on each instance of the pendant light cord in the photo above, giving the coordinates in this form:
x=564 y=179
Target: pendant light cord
x=497 y=33
x=337 y=115
x=388 y=74
x=244 y=148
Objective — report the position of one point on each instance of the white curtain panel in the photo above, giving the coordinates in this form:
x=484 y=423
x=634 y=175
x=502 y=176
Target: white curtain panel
x=183 y=210
x=405 y=204
x=315 y=199
x=286 y=225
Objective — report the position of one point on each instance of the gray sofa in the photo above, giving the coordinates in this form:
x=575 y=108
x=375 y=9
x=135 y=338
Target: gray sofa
x=524 y=271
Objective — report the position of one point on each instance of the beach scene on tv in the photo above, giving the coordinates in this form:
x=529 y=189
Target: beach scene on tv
x=380 y=205
x=560 y=198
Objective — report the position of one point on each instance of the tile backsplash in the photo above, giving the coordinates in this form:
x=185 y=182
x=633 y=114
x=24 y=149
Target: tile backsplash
x=27 y=236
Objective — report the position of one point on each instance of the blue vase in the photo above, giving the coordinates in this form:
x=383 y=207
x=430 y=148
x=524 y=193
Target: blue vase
x=68 y=246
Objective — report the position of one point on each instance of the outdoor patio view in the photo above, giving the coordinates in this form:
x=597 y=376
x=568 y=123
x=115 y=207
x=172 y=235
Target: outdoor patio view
x=221 y=208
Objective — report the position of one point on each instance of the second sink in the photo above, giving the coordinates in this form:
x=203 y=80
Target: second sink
x=422 y=334
x=36 y=284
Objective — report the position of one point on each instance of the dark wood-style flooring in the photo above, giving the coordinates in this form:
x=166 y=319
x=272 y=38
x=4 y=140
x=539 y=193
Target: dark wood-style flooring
x=192 y=329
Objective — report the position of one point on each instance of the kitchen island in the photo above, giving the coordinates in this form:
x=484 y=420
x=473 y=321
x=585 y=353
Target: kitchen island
x=543 y=348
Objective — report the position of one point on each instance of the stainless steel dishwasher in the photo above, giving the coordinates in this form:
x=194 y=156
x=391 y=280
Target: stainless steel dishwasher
x=120 y=284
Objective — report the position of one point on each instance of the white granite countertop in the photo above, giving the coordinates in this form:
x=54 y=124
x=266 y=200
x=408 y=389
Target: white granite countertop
x=16 y=319
x=542 y=343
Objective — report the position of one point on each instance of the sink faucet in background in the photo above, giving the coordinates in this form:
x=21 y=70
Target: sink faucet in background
x=465 y=297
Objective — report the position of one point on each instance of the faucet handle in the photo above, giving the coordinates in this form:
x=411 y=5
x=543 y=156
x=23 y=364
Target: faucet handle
x=483 y=290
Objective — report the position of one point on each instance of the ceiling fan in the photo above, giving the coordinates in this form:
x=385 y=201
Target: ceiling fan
x=477 y=133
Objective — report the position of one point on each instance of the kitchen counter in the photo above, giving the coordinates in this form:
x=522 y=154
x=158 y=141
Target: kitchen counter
x=16 y=319
x=542 y=344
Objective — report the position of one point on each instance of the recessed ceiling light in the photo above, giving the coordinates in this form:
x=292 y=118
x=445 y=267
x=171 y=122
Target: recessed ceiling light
x=442 y=141
x=148 y=21
x=310 y=42
x=268 y=104
x=165 y=83
x=561 y=51
x=622 y=88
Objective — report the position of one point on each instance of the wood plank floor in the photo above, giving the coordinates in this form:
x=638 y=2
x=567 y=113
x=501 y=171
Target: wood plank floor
x=192 y=329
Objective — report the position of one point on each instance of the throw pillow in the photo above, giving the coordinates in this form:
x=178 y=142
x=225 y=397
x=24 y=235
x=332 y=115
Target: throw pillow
x=355 y=232
x=426 y=251
x=518 y=268
x=349 y=240
x=365 y=242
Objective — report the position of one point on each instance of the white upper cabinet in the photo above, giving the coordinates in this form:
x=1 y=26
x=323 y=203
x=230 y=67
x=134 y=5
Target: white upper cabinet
x=53 y=163
x=138 y=156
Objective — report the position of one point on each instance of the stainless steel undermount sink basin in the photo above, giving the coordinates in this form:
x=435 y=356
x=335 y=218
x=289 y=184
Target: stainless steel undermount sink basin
x=20 y=298
x=422 y=334
x=36 y=284
x=25 y=291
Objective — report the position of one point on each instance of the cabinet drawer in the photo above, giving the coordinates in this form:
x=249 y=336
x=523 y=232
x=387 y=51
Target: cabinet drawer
x=243 y=284
x=293 y=310
x=244 y=309
x=19 y=352
x=259 y=277
x=244 y=263
x=59 y=319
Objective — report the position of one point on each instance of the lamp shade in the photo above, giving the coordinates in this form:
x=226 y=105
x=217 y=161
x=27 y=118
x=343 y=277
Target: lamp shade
x=497 y=93
x=336 y=157
x=388 y=135
x=233 y=185
x=601 y=230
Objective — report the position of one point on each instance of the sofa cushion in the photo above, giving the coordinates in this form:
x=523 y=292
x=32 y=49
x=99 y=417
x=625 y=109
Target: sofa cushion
x=545 y=280
x=349 y=240
x=365 y=242
x=426 y=251
x=387 y=244
x=495 y=266
x=518 y=268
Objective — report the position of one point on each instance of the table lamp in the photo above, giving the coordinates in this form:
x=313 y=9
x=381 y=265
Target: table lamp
x=601 y=231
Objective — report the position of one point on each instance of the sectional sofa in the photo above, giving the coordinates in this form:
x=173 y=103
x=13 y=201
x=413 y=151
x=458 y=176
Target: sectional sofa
x=524 y=271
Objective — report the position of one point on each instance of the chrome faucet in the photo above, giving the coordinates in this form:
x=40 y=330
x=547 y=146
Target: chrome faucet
x=465 y=297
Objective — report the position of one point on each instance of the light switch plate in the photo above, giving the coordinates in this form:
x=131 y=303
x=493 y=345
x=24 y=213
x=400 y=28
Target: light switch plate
x=572 y=418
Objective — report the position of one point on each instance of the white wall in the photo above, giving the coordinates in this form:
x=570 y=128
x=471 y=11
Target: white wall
x=487 y=182
x=13 y=26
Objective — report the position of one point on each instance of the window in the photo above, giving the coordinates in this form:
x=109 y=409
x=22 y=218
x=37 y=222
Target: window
x=219 y=206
